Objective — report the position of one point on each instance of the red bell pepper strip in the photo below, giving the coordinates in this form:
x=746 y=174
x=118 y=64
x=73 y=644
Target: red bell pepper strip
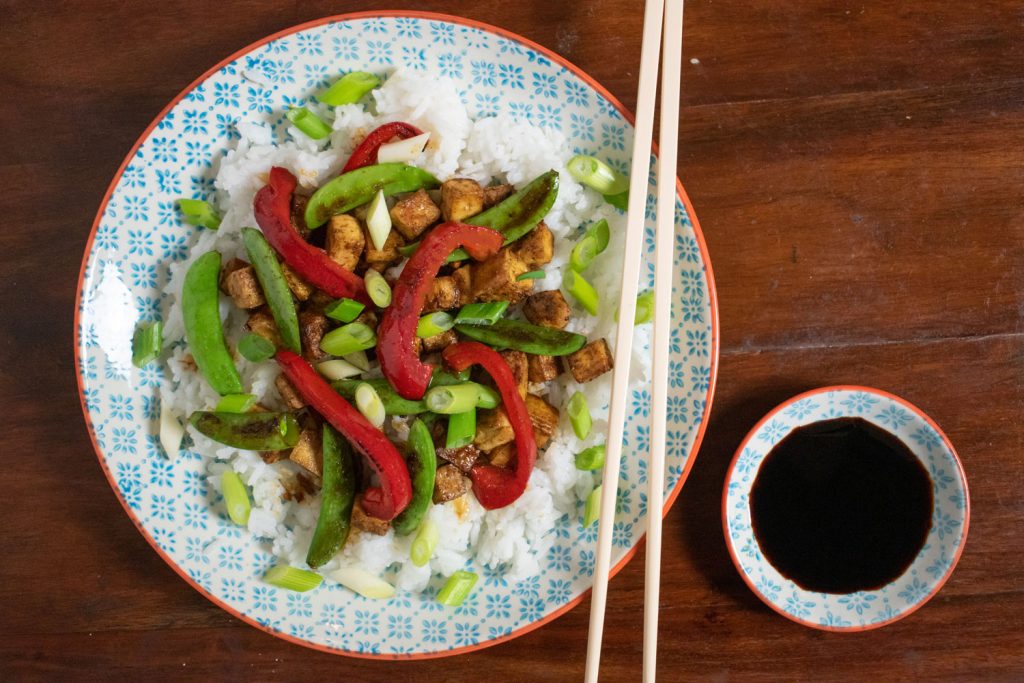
x=395 y=490
x=272 y=207
x=366 y=153
x=496 y=487
x=397 y=332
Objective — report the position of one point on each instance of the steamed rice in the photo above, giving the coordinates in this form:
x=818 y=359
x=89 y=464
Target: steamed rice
x=513 y=539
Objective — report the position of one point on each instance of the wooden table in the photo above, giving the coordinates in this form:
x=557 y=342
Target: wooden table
x=859 y=175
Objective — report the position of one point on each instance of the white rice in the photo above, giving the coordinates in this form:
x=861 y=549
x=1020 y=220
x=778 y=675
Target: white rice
x=513 y=539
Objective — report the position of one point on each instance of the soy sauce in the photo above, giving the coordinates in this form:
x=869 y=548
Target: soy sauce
x=841 y=506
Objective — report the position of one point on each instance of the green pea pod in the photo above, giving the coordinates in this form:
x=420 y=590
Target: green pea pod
x=275 y=287
x=249 y=431
x=422 y=467
x=514 y=334
x=443 y=378
x=358 y=187
x=393 y=403
x=200 y=307
x=337 y=495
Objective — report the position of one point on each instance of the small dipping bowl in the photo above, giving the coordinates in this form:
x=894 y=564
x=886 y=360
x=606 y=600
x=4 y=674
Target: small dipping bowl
x=928 y=572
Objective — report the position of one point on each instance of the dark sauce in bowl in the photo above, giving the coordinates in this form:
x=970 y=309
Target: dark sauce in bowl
x=841 y=506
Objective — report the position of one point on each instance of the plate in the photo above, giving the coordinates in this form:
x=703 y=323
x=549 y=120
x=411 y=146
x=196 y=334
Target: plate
x=137 y=233
x=927 y=573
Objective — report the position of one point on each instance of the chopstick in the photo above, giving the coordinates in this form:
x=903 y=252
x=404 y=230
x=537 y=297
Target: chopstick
x=643 y=134
x=668 y=141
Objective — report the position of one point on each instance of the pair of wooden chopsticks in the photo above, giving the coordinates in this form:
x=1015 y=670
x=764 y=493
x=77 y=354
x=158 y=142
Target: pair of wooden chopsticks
x=663 y=21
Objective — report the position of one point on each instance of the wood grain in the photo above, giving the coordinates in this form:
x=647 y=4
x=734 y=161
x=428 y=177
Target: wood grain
x=858 y=174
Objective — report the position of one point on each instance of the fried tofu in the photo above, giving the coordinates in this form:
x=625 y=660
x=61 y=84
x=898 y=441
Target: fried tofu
x=548 y=309
x=537 y=248
x=542 y=368
x=240 y=283
x=368 y=317
x=502 y=455
x=443 y=295
x=463 y=278
x=289 y=394
x=299 y=202
x=461 y=198
x=261 y=322
x=381 y=259
x=520 y=369
x=440 y=342
x=414 y=214
x=308 y=452
x=449 y=483
x=593 y=360
x=463 y=457
x=300 y=288
x=345 y=241
x=492 y=429
x=495 y=278
x=544 y=417
x=496 y=193
x=364 y=522
x=312 y=328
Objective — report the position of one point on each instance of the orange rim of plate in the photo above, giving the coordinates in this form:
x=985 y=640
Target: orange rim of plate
x=876 y=392
x=435 y=16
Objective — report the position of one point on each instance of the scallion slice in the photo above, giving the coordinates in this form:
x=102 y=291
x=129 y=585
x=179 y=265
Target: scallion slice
x=236 y=403
x=338 y=368
x=582 y=291
x=481 y=314
x=377 y=288
x=344 y=310
x=293 y=578
x=364 y=583
x=349 y=89
x=378 y=220
x=171 y=432
x=579 y=415
x=590 y=459
x=199 y=213
x=309 y=123
x=402 y=151
x=532 y=275
x=461 y=429
x=457 y=588
x=236 y=497
x=146 y=343
x=348 y=339
x=358 y=359
x=433 y=324
x=370 y=405
x=583 y=252
x=597 y=175
x=422 y=548
x=488 y=398
x=600 y=232
x=255 y=348
x=454 y=398
x=644 y=308
x=592 y=510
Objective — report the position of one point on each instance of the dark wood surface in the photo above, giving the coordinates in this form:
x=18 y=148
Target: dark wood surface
x=859 y=175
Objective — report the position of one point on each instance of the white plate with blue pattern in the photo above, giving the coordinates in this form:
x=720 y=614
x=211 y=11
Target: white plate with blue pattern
x=930 y=569
x=137 y=233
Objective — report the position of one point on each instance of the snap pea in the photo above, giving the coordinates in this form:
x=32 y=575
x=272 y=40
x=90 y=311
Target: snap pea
x=200 y=308
x=393 y=403
x=515 y=334
x=357 y=187
x=422 y=466
x=275 y=287
x=248 y=431
x=337 y=496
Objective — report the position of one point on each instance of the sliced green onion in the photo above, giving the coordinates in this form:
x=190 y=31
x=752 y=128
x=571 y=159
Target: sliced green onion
x=378 y=288
x=402 y=151
x=583 y=253
x=532 y=275
x=255 y=348
x=370 y=405
x=596 y=174
x=358 y=359
x=592 y=510
x=481 y=314
x=488 y=398
x=378 y=220
x=236 y=403
x=454 y=398
x=338 y=368
x=199 y=213
x=582 y=291
x=433 y=324
x=644 y=308
x=364 y=583
x=422 y=548
x=579 y=415
x=309 y=123
x=590 y=459
x=236 y=497
x=619 y=201
x=146 y=343
x=461 y=429
x=601 y=232
x=348 y=339
x=457 y=588
x=344 y=310
x=349 y=89
x=171 y=432
x=293 y=578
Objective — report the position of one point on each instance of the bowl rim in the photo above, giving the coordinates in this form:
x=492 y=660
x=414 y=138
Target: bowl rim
x=845 y=388
x=459 y=21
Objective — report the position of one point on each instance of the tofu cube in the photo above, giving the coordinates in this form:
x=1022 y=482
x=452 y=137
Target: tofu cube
x=345 y=241
x=364 y=522
x=544 y=417
x=312 y=328
x=308 y=452
x=443 y=295
x=299 y=202
x=242 y=286
x=464 y=457
x=493 y=429
x=381 y=259
x=593 y=360
x=495 y=278
x=542 y=368
x=439 y=342
x=503 y=455
x=537 y=248
x=496 y=193
x=463 y=278
x=461 y=198
x=289 y=394
x=520 y=369
x=414 y=214
x=261 y=322
x=548 y=309
x=449 y=483
x=300 y=288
